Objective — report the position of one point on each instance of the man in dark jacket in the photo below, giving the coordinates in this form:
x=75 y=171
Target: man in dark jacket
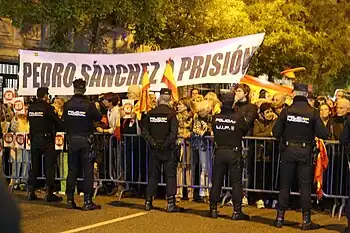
x=243 y=105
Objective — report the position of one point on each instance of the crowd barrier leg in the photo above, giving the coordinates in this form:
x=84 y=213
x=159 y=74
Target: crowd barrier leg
x=343 y=204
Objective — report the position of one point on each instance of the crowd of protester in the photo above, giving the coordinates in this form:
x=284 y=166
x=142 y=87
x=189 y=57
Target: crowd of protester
x=194 y=114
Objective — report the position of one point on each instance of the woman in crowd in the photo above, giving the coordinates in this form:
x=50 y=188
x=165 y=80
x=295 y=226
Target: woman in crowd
x=20 y=124
x=326 y=114
x=263 y=128
x=184 y=116
x=202 y=127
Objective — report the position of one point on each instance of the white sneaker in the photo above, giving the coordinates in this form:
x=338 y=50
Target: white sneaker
x=274 y=203
x=245 y=201
x=230 y=203
x=260 y=204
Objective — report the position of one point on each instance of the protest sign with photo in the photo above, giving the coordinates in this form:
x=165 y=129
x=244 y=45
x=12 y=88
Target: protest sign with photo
x=20 y=140
x=224 y=61
x=27 y=142
x=59 y=141
x=8 y=95
x=9 y=139
x=128 y=106
x=18 y=105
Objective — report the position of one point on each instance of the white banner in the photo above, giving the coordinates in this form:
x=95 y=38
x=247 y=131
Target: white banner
x=223 y=61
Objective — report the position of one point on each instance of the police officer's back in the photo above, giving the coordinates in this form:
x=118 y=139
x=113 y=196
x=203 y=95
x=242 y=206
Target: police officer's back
x=43 y=125
x=79 y=114
x=345 y=141
x=297 y=126
x=229 y=129
x=160 y=130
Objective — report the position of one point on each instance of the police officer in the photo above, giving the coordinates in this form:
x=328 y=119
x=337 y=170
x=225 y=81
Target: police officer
x=160 y=131
x=345 y=140
x=228 y=128
x=79 y=114
x=297 y=126
x=43 y=122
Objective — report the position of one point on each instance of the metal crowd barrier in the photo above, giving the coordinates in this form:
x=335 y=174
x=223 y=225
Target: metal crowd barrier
x=16 y=163
x=125 y=162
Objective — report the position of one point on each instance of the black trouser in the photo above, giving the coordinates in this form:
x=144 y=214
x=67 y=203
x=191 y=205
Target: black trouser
x=295 y=162
x=41 y=145
x=78 y=154
x=169 y=162
x=227 y=160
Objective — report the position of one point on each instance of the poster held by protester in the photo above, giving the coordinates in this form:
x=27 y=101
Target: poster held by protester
x=20 y=140
x=1 y=148
x=27 y=142
x=59 y=141
x=8 y=95
x=9 y=139
x=128 y=106
x=224 y=61
x=18 y=105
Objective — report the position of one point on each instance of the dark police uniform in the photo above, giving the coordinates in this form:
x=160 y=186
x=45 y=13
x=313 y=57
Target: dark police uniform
x=10 y=221
x=297 y=126
x=79 y=114
x=229 y=129
x=345 y=140
x=43 y=123
x=160 y=130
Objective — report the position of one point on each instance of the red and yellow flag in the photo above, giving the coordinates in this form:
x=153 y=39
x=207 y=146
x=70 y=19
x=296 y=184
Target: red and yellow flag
x=169 y=80
x=144 y=100
x=321 y=166
x=144 y=104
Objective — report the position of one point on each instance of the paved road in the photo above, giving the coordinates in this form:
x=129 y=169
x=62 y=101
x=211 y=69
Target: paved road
x=128 y=216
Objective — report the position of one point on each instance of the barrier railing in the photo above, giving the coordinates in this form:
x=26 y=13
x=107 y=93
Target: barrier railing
x=126 y=162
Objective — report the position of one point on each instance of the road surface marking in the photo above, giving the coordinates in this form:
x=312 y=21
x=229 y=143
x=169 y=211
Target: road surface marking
x=104 y=223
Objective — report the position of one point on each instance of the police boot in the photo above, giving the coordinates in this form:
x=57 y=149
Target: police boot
x=71 y=203
x=213 y=210
x=347 y=230
x=51 y=197
x=31 y=194
x=279 y=219
x=89 y=204
x=238 y=214
x=171 y=207
x=307 y=223
x=148 y=203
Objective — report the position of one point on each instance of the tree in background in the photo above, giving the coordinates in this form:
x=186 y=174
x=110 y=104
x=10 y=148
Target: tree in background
x=310 y=33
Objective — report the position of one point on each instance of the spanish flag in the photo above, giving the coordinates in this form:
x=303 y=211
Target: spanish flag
x=169 y=80
x=144 y=100
x=320 y=166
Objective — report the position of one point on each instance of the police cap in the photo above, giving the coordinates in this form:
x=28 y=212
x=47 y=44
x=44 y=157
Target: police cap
x=301 y=87
x=79 y=83
x=42 y=91
x=227 y=99
x=165 y=91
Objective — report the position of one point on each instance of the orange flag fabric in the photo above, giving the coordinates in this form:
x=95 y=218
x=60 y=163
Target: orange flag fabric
x=169 y=80
x=143 y=105
x=144 y=100
x=321 y=166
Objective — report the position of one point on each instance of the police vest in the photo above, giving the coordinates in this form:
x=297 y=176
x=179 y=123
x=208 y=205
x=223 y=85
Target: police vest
x=76 y=118
x=159 y=123
x=226 y=130
x=299 y=124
